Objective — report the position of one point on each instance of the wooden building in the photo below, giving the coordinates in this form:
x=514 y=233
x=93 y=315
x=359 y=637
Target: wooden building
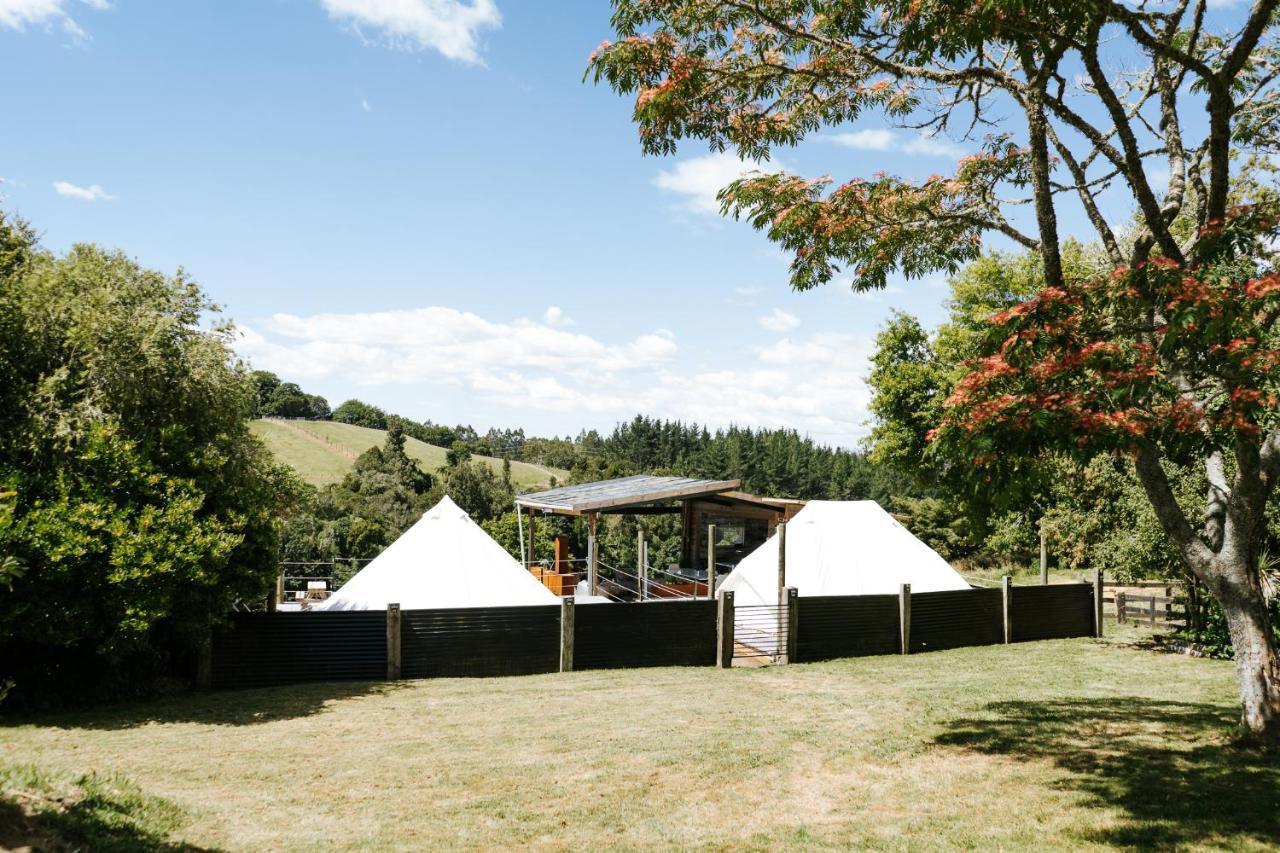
x=743 y=521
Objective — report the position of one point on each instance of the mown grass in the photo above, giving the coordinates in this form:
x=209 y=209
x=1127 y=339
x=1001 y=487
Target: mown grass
x=320 y=465
x=43 y=811
x=1056 y=745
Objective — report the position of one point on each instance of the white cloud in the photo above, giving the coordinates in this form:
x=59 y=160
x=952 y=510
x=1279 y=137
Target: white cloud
x=700 y=178
x=451 y=27
x=813 y=384
x=89 y=193
x=779 y=321
x=555 y=316
x=365 y=105
x=936 y=146
x=882 y=139
x=20 y=14
x=872 y=139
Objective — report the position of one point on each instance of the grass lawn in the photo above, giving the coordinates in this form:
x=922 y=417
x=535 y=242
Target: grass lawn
x=319 y=463
x=1054 y=745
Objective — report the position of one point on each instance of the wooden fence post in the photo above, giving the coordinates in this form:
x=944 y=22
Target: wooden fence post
x=1153 y=611
x=724 y=630
x=793 y=623
x=204 y=664
x=1097 y=603
x=711 y=561
x=1044 y=555
x=904 y=617
x=393 y=642
x=1006 y=591
x=1120 y=605
x=566 y=634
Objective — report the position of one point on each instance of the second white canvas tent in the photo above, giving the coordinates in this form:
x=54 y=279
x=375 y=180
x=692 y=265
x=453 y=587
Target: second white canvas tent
x=444 y=560
x=841 y=548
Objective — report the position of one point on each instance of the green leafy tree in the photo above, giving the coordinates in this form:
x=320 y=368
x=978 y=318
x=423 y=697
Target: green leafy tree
x=140 y=506
x=1192 y=91
x=360 y=414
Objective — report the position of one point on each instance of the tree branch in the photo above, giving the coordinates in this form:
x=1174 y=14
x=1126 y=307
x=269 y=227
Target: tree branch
x=1194 y=553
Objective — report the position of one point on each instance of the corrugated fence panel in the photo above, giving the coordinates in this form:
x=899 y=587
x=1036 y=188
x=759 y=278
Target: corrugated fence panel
x=651 y=633
x=1051 y=611
x=963 y=617
x=839 y=626
x=480 y=641
x=261 y=649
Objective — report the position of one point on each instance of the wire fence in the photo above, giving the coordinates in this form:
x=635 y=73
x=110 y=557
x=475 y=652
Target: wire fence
x=760 y=631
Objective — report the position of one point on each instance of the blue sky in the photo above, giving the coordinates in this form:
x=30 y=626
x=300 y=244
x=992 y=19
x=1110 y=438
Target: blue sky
x=420 y=203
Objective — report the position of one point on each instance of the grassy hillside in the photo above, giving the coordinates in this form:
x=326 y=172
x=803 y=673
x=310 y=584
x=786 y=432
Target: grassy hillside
x=1060 y=745
x=323 y=451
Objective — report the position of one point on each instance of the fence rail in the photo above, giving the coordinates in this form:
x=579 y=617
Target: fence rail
x=260 y=649
x=1151 y=609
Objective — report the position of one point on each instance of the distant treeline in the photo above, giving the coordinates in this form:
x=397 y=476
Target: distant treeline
x=779 y=463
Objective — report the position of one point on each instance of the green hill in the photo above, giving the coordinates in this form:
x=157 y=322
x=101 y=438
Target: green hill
x=321 y=452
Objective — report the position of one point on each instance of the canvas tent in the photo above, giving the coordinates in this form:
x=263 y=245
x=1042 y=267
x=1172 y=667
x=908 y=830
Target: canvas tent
x=444 y=560
x=842 y=548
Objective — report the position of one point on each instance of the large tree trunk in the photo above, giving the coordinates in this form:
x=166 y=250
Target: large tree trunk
x=1229 y=569
x=1257 y=665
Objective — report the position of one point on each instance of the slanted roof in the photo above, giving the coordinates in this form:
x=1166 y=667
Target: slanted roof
x=627 y=491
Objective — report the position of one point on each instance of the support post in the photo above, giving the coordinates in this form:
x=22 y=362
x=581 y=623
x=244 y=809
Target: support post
x=793 y=623
x=724 y=630
x=393 y=642
x=593 y=556
x=204 y=664
x=904 y=617
x=642 y=564
x=520 y=534
x=1097 y=603
x=711 y=561
x=276 y=595
x=782 y=582
x=1120 y=605
x=531 y=517
x=566 y=634
x=1006 y=589
x=593 y=572
x=782 y=562
x=1153 y=611
x=1044 y=555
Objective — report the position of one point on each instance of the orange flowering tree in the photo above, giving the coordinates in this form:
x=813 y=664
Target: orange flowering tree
x=1170 y=358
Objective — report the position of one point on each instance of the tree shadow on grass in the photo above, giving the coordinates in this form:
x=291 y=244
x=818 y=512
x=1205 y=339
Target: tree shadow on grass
x=240 y=707
x=1170 y=766
x=94 y=813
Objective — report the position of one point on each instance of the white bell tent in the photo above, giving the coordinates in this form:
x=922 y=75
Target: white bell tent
x=444 y=560
x=841 y=548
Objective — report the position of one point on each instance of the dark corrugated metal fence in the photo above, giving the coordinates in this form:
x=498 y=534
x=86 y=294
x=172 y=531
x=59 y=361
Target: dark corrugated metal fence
x=1051 y=612
x=480 y=641
x=650 y=633
x=954 y=618
x=838 y=626
x=261 y=649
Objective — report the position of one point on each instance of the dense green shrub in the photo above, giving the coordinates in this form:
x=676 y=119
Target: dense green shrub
x=139 y=507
